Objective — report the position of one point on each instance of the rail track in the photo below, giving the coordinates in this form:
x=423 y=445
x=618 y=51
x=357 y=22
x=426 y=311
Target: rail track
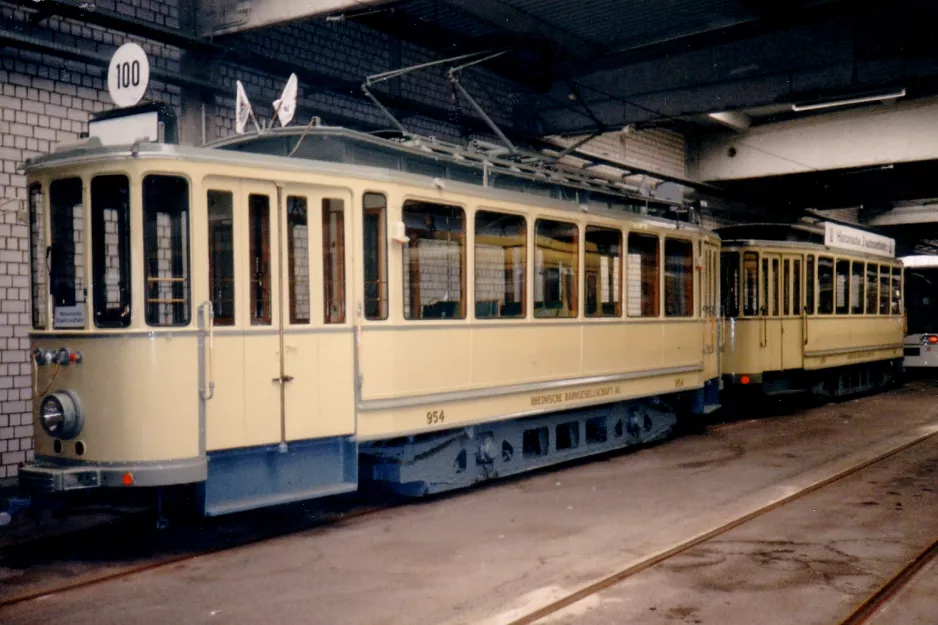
x=860 y=614
x=249 y=537
x=888 y=591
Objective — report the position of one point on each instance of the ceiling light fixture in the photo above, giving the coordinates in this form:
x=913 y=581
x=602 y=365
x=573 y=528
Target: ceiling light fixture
x=892 y=95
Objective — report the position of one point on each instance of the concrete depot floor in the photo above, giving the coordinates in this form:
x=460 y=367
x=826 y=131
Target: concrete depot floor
x=495 y=553
x=914 y=604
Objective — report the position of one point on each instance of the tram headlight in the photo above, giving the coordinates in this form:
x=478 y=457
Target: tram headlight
x=60 y=414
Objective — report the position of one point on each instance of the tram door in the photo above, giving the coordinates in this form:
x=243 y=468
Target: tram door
x=278 y=264
x=318 y=343
x=793 y=318
x=770 y=309
x=244 y=407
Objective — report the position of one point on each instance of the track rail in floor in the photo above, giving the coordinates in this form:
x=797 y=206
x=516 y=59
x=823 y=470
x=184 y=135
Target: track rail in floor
x=654 y=560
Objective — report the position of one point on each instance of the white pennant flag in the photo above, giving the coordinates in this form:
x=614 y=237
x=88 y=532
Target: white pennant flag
x=242 y=109
x=286 y=105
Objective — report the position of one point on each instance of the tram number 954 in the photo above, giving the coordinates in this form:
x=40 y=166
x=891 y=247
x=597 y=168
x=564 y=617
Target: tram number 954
x=435 y=416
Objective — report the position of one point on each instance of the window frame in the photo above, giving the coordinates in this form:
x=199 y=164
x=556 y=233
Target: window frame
x=334 y=288
x=756 y=284
x=383 y=302
x=254 y=290
x=858 y=290
x=616 y=290
x=657 y=297
x=885 y=298
x=216 y=319
x=810 y=284
x=687 y=307
x=733 y=313
x=525 y=278
x=406 y=267
x=575 y=308
x=125 y=254
x=872 y=289
x=293 y=294
x=37 y=233
x=79 y=278
x=187 y=258
x=833 y=286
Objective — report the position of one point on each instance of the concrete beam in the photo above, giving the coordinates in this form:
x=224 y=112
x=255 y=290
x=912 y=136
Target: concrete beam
x=731 y=119
x=905 y=215
x=231 y=16
x=878 y=135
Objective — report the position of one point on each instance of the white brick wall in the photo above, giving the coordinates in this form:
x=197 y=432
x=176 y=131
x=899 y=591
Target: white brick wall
x=658 y=150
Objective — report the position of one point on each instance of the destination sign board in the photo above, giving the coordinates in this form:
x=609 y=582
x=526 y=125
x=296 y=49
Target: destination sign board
x=856 y=240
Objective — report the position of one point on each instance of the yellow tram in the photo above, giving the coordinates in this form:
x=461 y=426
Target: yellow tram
x=804 y=313
x=265 y=317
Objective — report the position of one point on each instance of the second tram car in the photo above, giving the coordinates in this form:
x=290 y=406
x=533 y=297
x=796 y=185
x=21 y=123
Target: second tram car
x=803 y=316
x=267 y=317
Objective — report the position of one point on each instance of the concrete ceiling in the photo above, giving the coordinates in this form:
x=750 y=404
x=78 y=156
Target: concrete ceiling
x=598 y=65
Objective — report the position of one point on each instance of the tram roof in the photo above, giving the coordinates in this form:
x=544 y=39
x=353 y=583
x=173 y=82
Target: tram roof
x=477 y=163
x=802 y=235
x=412 y=156
x=483 y=165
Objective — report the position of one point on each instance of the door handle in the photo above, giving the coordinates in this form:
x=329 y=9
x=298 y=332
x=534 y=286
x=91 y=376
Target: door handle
x=286 y=378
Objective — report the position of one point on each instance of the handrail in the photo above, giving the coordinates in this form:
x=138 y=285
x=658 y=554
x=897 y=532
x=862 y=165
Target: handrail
x=764 y=339
x=208 y=391
x=804 y=324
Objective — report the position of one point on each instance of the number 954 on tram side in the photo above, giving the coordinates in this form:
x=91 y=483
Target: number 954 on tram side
x=287 y=315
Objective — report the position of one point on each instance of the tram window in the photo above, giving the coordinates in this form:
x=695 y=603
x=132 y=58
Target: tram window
x=729 y=281
x=786 y=289
x=896 y=291
x=500 y=265
x=856 y=289
x=434 y=261
x=843 y=286
x=825 y=281
x=603 y=272
x=556 y=268
x=678 y=278
x=766 y=289
x=37 y=257
x=221 y=277
x=796 y=286
x=374 y=227
x=883 y=290
x=871 y=294
x=750 y=284
x=110 y=250
x=642 y=276
x=775 y=292
x=298 y=259
x=166 y=250
x=259 y=219
x=333 y=260
x=809 y=285
x=67 y=254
